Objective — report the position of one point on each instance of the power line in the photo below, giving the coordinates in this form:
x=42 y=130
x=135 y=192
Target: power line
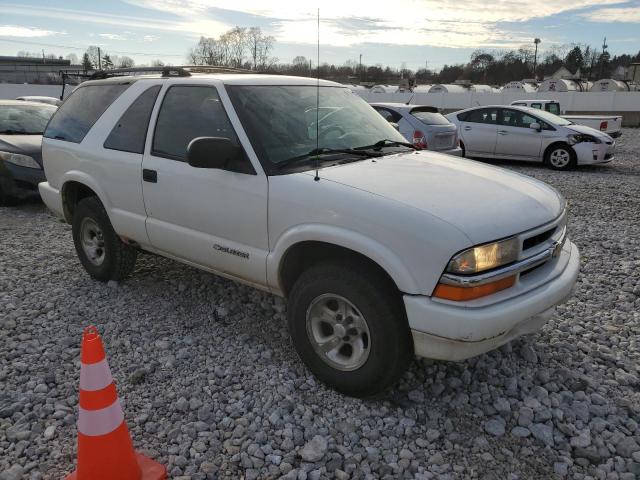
x=83 y=49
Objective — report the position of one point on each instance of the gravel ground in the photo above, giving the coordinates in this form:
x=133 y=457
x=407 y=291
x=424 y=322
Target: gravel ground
x=213 y=389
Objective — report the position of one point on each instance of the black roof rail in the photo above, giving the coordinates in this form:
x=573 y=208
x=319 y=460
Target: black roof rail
x=71 y=73
x=166 y=71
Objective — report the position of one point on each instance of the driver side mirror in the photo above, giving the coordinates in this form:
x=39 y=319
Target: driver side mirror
x=535 y=126
x=212 y=152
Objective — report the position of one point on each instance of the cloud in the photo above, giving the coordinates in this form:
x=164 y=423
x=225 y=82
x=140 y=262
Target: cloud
x=614 y=15
x=19 y=31
x=112 y=36
x=150 y=38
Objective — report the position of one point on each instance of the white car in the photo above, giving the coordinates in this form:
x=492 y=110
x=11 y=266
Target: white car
x=423 y=126
x=41 y=99
x=523 y=133
x=381 y=251
x=609 y=124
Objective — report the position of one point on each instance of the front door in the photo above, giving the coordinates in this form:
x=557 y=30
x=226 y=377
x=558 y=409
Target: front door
x=215 y=218
x=515 y=139
x=479 y=130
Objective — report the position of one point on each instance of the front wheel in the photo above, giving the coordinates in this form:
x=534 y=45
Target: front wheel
x=348 y=326
x=102 y=254
x=560 y=157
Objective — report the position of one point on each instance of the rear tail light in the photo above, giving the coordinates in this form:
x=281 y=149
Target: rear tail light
x=419 y=140
x=603 y=126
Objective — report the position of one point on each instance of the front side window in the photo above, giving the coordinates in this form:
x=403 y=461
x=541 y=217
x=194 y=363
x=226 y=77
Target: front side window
x=81 y=111
x=24 y=119
x=536 y=105
x=516 y=118
x=280 y=120
x=129 y=134
x=483 y=115
x=188 y=112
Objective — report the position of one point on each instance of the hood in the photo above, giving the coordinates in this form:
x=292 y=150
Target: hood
x=588 y=131
x=485 y=202
x=25 y=144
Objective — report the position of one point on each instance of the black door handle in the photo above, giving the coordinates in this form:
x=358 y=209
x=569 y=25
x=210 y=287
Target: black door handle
x=150 y=176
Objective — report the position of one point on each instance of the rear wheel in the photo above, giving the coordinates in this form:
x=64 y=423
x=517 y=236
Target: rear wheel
x=102 y=254
x=348 y=326
x=560 y=157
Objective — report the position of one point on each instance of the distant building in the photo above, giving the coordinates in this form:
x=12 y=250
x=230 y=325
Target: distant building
x=563 y=73
x=33 y=69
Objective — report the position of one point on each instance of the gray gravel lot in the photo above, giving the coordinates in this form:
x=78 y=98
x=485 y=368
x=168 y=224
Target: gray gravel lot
x=212 y=386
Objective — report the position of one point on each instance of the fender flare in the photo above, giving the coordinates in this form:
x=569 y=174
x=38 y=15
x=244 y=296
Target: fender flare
x=342 y=237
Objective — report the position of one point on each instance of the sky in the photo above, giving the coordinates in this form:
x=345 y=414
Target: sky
x=416 y=33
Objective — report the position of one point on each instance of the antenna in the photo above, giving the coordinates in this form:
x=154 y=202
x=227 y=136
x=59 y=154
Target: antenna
x=316 y=178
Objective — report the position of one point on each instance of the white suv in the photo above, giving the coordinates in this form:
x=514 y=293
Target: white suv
x=384 y=253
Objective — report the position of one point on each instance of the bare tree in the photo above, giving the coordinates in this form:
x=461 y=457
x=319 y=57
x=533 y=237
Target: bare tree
x=260 y=46
x=237 y=41
x=92 y=52
x=125 y=62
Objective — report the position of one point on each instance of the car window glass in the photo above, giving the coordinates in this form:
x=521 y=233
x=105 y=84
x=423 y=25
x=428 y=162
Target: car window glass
x=388 y=115
x=189 y=112
x=81 y=111
x=483 y=115
x=516 y=118
x=25 y=118
x=553 y=108
x=536 y=105
x=430 y=118
x=129 y=134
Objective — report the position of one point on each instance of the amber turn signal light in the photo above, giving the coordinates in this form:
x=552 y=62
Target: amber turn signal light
x=460 y=294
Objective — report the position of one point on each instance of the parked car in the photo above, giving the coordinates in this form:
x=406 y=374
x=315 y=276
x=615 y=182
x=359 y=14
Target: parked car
x=21 y=127
x=609 y=124
x=40 y=99
x=423 y=126
x=381 y=251
x=522 y=133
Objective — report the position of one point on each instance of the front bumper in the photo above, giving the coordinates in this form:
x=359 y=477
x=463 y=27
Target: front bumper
x=444 y=331
x=20 y=182
x=592 y=153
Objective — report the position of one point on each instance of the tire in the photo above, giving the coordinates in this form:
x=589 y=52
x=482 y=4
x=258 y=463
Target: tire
x=464 y=152
x=560 y=157
x=102 y=254
x=386 y=335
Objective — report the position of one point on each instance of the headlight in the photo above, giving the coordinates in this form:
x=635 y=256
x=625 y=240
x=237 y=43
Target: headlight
x=484 y=257
x=581 y=137
x=20 y=160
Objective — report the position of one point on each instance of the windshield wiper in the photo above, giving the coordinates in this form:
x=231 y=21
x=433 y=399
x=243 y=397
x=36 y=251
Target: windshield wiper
x=324 y=151
x=386 y=143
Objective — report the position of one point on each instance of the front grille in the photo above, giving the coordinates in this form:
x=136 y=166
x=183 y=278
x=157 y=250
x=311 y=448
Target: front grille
x=538 y=239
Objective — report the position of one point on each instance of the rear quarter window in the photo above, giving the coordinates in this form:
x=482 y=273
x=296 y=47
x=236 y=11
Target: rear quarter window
x=81 y=111
x=430 y=118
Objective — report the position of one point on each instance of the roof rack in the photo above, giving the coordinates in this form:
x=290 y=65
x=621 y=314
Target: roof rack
x=167 y=71
x=71 y=73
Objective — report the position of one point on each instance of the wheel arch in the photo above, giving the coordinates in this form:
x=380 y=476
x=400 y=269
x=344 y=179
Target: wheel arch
x=557 y=143
x=74 y=188
x=307 y=245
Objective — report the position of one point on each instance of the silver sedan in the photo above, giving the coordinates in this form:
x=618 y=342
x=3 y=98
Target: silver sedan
x=522 y=133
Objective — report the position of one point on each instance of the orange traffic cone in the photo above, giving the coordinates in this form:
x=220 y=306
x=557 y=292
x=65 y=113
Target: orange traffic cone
x=105 y=451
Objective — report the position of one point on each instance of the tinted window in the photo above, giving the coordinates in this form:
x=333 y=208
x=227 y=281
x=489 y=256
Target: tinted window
x=129 y=134
x=81 y=110
x=483 y=115
x=536 y=105
x=553 y=108
x=516 y=118
x=430 y=118
x=388 y=115
x=186 y=113
x=25 y=119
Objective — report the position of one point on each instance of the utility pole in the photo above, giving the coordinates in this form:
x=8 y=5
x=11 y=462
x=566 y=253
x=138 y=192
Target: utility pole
x=43 y=59
x=603 y=57
x=535 y=58
x=360 y=68
x=99 y=60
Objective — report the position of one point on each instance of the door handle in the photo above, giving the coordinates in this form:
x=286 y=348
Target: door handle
x=467 y=128
x=502 y=132
x=150 y=176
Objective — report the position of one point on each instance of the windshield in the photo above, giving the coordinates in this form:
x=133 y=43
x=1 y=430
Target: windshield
x=551 y=118
x=281 y=120
x=25 y=119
